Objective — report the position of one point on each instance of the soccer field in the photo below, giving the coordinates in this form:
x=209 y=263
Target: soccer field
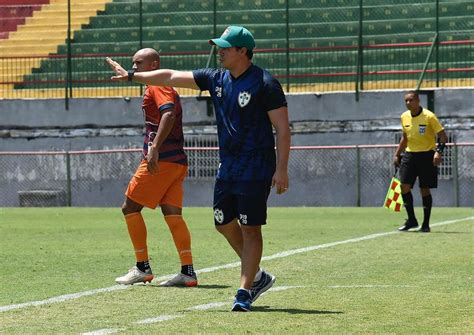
x=339 y=270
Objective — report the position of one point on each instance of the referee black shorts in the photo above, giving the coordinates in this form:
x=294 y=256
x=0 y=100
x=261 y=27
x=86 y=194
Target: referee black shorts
x=419 y=164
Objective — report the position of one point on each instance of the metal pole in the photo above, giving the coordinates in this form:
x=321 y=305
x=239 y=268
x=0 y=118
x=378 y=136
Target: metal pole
x=140 y=32
x=357 y=176
x=215 y=31
x=456 y=175
x=437 y=43
x=288 y=46
x=427 y=61
x=209 y=58
x=140 y=16
x=68 y=180
x=361 y=41
x=358 y=79
x=215 y=17
x=68 y=86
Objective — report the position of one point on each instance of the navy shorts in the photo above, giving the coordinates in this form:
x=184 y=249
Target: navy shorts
x=419 y=164
x=246 y=201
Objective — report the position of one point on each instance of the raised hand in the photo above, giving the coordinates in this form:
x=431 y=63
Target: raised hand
x=120 y=73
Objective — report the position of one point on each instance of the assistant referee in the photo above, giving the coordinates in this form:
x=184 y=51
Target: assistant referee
x=421 y=158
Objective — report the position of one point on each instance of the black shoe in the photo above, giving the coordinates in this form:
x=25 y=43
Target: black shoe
x=424 y=230
x=408 y=225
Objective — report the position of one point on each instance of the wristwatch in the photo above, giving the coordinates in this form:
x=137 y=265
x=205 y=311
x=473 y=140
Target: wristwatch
x=131 y=73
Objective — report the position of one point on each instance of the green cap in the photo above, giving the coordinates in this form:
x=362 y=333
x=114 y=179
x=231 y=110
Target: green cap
x=235 y=36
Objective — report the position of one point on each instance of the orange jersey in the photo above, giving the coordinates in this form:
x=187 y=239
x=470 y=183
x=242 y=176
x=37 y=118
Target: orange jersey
x=155 y=101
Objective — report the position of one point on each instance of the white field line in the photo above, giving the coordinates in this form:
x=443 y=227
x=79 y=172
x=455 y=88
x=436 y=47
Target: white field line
x=207 y=306
x=160 y=318
x=352 y=240
x=104 y=331
x=72 y=296
x=163 y=318
x=369 y=286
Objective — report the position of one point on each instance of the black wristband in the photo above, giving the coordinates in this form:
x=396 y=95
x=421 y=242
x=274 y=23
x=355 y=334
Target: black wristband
x=131 y=73
x=440 y=147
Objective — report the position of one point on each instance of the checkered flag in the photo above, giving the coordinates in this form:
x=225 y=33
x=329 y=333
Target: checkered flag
x=394 y=200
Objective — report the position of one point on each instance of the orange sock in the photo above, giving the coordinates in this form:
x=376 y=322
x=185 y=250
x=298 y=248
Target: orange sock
x=137 y=231
x=181 y=238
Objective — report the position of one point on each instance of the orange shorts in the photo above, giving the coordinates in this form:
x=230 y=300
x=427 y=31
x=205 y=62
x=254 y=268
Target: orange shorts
x=162 y=188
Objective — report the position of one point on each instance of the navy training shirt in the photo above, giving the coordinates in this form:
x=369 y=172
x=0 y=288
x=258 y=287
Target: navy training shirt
x=246 y=141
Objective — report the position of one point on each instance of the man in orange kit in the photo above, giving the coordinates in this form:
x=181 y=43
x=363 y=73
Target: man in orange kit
x=159 y=178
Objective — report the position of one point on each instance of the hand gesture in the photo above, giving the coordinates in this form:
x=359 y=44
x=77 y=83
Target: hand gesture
x=120 y=73
x=396 y=161
x=152 y=159
x=280 y=181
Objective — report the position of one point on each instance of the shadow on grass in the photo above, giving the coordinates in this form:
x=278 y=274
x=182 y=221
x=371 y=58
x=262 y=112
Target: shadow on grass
x=435 y=232
x=213 y=286
x=200 y=286
x=292 y=310
x=450 y=232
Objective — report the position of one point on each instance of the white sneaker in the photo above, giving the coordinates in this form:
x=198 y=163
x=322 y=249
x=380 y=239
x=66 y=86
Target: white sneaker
x=134 y=276
x=181 y=280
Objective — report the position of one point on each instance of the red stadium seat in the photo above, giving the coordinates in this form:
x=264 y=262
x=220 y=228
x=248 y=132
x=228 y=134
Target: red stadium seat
x=14 y=12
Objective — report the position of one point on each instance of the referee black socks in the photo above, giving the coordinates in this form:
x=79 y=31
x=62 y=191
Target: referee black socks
x=408 y=201
x=427 y=204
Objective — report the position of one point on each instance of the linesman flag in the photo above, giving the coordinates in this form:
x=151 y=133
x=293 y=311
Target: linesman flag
x=394 y=200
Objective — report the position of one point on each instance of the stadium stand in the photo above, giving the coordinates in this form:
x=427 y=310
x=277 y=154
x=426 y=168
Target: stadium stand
x=177 y=28
x=40 y=35
x=15 y=14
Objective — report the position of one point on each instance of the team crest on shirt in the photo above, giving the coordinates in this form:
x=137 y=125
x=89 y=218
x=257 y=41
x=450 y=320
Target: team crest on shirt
x=244 y=98
x=422 y=129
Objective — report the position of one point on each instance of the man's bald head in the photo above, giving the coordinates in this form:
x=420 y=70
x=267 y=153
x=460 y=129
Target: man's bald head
x=146 y=59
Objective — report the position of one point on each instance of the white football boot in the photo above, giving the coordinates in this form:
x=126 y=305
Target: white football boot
x=135 y=276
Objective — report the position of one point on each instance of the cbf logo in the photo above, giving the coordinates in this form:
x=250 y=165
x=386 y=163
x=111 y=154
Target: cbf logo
x=219 y=215
x=244 y=98
x=422 y=129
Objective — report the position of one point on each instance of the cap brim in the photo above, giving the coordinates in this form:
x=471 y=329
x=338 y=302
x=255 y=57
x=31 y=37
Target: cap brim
x=221 y=43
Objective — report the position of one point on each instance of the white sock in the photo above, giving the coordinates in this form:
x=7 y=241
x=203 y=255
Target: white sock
x=258 y=275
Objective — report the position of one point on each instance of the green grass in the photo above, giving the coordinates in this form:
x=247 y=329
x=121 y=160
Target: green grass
x=401 y=283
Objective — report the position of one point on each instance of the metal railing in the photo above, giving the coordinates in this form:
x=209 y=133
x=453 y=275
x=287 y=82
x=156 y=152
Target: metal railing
x=319 y=176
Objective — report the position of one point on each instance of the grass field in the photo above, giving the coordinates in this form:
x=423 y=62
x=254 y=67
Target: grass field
x=339 y=270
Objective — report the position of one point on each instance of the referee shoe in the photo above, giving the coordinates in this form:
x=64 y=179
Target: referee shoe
x=409 y=224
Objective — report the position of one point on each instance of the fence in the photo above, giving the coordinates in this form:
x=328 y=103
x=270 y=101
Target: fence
x=324 y=45
x=319 y=176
